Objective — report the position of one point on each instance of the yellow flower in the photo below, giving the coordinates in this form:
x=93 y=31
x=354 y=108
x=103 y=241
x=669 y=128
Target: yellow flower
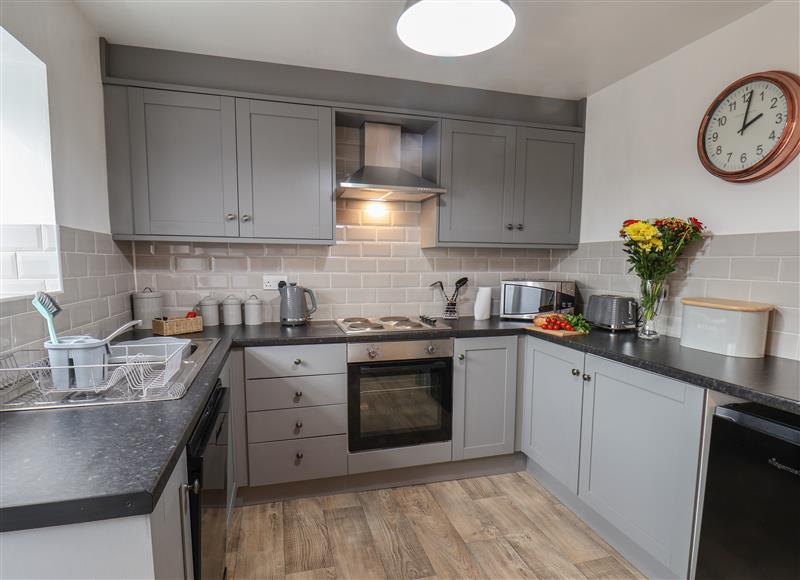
x=650 y=245
x=641 y=231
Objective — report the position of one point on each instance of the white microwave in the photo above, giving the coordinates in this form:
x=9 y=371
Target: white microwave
x=526 y=299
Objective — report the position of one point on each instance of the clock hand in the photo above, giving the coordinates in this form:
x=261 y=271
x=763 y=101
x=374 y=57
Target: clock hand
x=746 y=111
x=753 y=120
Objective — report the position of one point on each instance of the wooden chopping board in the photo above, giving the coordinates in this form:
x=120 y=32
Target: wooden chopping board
x=556 y=332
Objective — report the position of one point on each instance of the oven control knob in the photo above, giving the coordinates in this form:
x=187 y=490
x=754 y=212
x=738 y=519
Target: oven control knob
x=371 y=352
x=431 y=349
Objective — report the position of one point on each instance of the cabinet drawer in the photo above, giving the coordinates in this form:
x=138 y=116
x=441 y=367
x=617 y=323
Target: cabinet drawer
x=265 y=362
x=278 y=462
x=263 y=426
x=268 y=394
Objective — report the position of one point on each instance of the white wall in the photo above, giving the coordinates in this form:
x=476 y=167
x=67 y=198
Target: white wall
x=641 y=132
x=57 y=33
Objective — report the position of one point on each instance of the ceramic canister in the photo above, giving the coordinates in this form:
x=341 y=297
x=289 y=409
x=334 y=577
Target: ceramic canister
x=209 y=310
x=253 y=311
x=231 y=311
x=146 y=307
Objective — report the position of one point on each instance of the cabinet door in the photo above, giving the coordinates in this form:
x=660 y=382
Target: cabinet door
x=484 y=396
x=285 y=170
x=170 y=528
x=547 y=197
x=183 y=163
x=478 y=171
x=640 y=455
x=553 y=398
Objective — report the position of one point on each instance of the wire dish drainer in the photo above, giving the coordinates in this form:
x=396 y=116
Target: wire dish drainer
x=129 y=373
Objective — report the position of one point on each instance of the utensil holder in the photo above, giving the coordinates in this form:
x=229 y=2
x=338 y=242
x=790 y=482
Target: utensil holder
x=450 y=310
x=85 y=356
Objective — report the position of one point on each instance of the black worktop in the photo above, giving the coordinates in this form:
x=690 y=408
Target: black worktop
x=64 y=466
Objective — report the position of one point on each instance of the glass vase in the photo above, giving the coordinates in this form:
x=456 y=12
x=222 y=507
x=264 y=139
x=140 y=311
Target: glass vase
x=651 y=296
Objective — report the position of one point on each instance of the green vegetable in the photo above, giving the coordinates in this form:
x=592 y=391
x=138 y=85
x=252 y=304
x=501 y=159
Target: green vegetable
x=578 y=322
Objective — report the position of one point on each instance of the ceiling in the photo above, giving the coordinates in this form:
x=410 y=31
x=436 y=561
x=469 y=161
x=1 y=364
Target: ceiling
x=568 y=49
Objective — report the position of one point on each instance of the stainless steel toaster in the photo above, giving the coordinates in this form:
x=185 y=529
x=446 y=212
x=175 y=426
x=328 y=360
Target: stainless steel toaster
x=612 y=312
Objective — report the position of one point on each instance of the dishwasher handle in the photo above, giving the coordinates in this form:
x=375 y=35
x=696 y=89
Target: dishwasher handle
x=762 y=425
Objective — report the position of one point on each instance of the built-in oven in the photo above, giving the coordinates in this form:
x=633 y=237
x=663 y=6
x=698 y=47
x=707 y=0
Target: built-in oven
x=207 y=454
x=399 y=393
x=526 y=299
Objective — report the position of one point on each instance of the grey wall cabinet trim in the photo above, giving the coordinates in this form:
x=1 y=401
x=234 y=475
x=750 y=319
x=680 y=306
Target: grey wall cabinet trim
x=548 y=189
x=553 y=400
x=183 y=163
x=484 y=396
x=477 y=165
x=640 y=454
x=118 y=159
x=223 y=239
x=285 y=166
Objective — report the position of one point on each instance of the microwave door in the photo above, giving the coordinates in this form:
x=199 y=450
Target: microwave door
x=528 y=300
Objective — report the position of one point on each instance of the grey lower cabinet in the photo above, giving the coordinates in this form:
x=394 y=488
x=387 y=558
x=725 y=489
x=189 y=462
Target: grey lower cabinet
x=507 y=186
x=621 y=442
x=640 y=451
x=285 y=160
x=484 y=396
x=195 y=166
x=552 y=406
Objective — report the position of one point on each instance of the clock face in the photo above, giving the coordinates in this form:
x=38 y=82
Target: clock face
x=746 y=126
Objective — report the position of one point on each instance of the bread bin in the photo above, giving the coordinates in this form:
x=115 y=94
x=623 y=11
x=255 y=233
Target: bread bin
x=146 y=307
x=612 y=312
x=729 y=327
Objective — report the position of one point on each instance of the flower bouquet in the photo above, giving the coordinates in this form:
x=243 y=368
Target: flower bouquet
x=653 y=247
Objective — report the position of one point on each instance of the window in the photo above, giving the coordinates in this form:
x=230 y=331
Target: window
x=29 y=259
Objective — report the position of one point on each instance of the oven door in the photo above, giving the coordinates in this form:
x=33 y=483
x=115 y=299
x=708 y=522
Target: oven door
x=399 y=403
x=526 y=300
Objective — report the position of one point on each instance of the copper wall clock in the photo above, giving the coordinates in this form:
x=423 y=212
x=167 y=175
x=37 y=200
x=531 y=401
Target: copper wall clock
x=751 y=130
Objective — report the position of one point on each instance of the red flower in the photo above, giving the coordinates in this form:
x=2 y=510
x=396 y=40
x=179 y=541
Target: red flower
x=698 y=225
x=626 y=223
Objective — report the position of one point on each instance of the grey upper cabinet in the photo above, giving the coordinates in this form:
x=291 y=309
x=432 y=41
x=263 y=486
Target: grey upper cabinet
x=477 y=166
x=285 y=166
x=547 y=197
x=551 y=417
x=484 y=396
x=640 y=454
x=183 y=163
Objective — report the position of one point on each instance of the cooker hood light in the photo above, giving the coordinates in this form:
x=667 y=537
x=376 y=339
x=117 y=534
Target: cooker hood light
x=455 y=27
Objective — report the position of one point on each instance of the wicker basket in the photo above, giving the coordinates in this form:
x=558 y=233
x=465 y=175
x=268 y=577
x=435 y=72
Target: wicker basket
x=173 y=326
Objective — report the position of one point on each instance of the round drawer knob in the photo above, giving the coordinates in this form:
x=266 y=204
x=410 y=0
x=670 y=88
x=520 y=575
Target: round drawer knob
x=461 y=357
x=298 y=394
x=299 y=425
x=587 y=378
x=576 y=372
x=297 y=361
x=299 y=455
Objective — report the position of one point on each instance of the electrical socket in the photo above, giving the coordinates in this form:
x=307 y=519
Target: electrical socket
x=271 y=282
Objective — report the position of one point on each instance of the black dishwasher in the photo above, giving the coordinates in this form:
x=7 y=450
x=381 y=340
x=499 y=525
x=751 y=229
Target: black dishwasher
x=751 y=512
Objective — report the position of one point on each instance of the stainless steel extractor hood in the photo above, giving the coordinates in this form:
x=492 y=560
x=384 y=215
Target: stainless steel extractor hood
x=381 y=177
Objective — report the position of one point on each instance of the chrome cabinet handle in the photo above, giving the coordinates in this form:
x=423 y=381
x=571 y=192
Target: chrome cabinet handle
x=245 y=217
x=230 y=217
x=193 y=487
x=299 y=425
x=298 y=394
x=299 y=455
x=461 y=357
x=520 y=227
x=780 y=466
x=576 y=372
x=587 y=378
x=297 y=361
x=509 y=226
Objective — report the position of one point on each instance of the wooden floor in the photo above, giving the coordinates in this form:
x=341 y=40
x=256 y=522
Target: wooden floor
x=501 y=526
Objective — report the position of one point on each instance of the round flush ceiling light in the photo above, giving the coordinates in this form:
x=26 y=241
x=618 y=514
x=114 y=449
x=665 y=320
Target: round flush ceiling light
x=455 y=27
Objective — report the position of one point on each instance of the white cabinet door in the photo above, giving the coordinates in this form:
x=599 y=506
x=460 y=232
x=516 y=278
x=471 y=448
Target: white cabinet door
x=640 y=456
x=553 y=398
x=484 y=396
x=170 y=529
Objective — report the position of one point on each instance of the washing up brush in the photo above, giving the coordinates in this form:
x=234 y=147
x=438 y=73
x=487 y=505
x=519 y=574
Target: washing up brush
x=48 y=308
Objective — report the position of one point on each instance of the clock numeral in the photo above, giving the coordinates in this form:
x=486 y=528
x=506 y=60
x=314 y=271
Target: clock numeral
x=778 y=118
x=774 y=102
x=731 y=106
x=747 y=96
x=762 y=96
x=714 y=136
x=719 y=150
x=772 y=135
x=729 y=156
x=722 y=120
x=760 y=150
x=743 y=158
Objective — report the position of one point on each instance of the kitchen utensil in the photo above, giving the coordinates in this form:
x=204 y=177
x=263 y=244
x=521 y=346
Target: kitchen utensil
x=253 y=311
x=147 y=305
x=438 y=284
x=483 y=303
x=231 y=310
x=48 y=308
x=294 y=309
x=612 y=312
x=209 y=310
x=460 y=283
x=729 y=327
x=122 y=329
